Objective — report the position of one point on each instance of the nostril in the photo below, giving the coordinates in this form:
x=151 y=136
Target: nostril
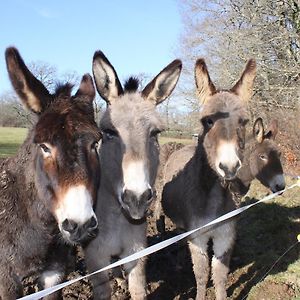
x=222 y=167
x=148 y=194
x=69 y=225
x=279 y=187
x=93 y=222
x=238 y=165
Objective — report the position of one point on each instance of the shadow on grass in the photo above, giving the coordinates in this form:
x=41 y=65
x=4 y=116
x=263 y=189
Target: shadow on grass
x=263 y=234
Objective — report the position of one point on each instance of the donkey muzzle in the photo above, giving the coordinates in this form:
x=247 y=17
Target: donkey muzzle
x=230 y=172
x=135 y=205
x=79 y=233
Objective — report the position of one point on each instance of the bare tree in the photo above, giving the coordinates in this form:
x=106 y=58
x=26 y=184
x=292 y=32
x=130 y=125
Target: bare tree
x=44 y=72
x=229 y=32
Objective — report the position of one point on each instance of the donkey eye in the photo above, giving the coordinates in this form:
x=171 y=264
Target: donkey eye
x=45 y=148
x=94 y=145
x=207 y=122
x=109 y=133
x=155 y=132
x=263 y=157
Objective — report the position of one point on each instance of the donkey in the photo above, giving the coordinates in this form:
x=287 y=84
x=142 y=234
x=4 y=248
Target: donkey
x=261 y=161
x=196 y=189
x=47 y=191
x=129 y=161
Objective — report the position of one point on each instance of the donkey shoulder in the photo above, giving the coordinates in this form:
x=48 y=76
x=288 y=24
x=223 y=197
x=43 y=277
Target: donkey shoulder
x=178 y=161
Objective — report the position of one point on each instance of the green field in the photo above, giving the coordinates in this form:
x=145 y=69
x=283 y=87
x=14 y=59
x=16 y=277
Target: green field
x=10 y=140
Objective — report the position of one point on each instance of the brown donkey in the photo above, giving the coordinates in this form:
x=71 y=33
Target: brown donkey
x=261 y=161
x=196 y=189
x=129 y=160
x=47 y=191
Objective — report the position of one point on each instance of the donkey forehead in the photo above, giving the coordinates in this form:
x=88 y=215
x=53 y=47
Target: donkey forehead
x=130 y=113
x=268 y=146
x=225 y=102
x=68 y=125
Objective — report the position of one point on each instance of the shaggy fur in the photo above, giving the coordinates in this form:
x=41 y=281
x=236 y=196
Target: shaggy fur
x=31 y=182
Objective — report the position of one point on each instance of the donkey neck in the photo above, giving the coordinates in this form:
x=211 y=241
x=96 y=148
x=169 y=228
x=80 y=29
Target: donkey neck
x=21 y=168
x=206 y=175
x=243 y=181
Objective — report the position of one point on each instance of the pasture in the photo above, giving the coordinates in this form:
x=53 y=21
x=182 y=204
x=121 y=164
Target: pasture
x=264 y=234
x=10 y=140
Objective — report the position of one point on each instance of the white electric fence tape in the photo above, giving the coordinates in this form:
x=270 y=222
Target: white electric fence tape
x=154 y=248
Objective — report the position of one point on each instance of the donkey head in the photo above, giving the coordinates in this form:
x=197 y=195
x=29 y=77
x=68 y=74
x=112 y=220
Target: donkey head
x=130 y=127
x=265 y=162
x=65 y=137
x=224 y=118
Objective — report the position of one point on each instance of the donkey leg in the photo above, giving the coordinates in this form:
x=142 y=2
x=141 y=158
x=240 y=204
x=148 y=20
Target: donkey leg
x=60 y=260
x=51 y=278
x=222 y=245
x=198 y=248
x=137 y=279
x=100 y=281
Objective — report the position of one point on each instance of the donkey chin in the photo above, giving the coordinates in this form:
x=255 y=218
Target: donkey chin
x=136 y=206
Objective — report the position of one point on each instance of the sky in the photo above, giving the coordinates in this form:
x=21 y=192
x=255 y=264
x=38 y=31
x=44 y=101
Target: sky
x=136 y=36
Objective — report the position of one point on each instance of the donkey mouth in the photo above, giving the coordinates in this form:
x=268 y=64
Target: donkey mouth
x=133 y=213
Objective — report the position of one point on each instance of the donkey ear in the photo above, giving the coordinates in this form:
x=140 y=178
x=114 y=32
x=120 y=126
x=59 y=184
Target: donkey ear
x=86 y=88
x=204 y=85
x=32 y=92
x=244 y=87
x=163 y=84
x=106 y=78
x=258 y=130
x=273 y=130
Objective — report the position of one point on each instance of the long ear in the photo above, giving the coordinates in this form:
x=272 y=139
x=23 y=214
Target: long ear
x=204 y=85
x=273 y=130
x=86 y=88
x=107 y=81
x=32 y=92
x=258 y=130
x=244 y=87
x=164 y=83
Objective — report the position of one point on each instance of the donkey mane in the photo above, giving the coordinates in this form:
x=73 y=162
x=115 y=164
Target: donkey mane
x=63 y=90
x=131 y=85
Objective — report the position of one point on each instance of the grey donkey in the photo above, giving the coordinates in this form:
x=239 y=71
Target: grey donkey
x=130 y=154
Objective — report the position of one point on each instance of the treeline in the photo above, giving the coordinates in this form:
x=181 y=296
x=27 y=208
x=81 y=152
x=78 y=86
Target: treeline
x=227 y=33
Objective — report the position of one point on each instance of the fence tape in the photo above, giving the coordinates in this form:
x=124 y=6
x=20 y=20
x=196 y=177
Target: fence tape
x=155 y=247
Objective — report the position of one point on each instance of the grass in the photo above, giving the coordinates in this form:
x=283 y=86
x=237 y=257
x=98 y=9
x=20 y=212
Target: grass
x=10 y=140
x=264 y=233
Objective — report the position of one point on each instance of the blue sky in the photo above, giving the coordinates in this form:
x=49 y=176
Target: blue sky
x=136 y=36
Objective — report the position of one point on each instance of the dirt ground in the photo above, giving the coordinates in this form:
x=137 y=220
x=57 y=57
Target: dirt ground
x=265 y=232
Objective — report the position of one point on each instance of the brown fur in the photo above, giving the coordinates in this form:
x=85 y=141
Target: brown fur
x=195 y=190
x=33 y=182
x=261 y=161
